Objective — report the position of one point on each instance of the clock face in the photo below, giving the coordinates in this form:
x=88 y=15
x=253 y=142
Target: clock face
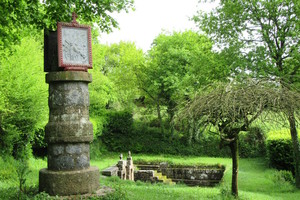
x=75 y=46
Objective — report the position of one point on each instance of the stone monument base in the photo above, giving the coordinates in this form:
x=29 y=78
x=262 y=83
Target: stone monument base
x=64 y=183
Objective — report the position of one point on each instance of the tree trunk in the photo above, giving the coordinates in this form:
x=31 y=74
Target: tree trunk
x=159 y=117
x=235 y=166
x=296 y=150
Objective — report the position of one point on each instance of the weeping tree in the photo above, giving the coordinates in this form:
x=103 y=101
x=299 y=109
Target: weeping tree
x=233 y=107
x=266 y=33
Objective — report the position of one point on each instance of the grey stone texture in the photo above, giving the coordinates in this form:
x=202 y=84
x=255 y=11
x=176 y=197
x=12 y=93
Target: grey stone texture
x=110 y=171
x=190 y=175
x=145 y=176
x=68 y=134
x=69 y=108
x=70 y=156
x=64 y=183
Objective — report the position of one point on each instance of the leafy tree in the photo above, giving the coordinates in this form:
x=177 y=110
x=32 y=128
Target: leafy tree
x=178 y=64
x=232 y=108
x=102 y=90
x=266 y=33
x=114 y=80
x=122 y=61
x=44 y=14
x=23 y=96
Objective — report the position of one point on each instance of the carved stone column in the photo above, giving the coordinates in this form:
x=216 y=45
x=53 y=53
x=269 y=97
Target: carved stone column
x=69 y=133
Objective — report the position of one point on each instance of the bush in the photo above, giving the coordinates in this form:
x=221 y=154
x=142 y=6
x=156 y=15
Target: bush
x=23 y=97
x=39 y=145
x=280 y=151
x=283 y=179
x=122 y=134
x=117 y=132
x=97 y=149
x=8 y=167
x=252 y=143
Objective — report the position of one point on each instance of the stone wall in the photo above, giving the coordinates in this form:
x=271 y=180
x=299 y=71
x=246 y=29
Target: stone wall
x=190 y=175
x=145 y=176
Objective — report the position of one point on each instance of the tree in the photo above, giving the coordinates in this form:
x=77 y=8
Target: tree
x=178 y=63
x=232 y=108
x=44 y=14
x=267 y=35
x=23 y=97
x=114 y=81
x=122 y=61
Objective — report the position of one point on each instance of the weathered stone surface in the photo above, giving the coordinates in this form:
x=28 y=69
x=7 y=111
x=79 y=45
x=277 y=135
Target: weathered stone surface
x=110 y=171
x=68 y=134
x=68 y=156
x=64 y=183
x=190 y=175
x=145 y=176
x=69 y=108
x=68 y=76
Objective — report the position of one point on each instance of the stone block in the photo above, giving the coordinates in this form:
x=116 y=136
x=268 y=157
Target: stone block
x=65 y=183
x=110 y=171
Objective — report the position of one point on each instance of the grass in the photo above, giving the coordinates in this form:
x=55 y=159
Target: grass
x=256 y=180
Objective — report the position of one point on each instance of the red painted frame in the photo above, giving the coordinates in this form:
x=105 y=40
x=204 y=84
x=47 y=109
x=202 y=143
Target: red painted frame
x=73 y=67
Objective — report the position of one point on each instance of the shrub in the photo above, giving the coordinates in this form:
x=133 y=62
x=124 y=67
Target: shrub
x=279 y=150
x=117 y=132
x=97 y=149
x=284 y=179
x=39 y=145
x=8 y=168
x=252 y=143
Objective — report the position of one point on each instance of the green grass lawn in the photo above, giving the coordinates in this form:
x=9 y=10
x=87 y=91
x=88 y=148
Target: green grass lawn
x=256 y=180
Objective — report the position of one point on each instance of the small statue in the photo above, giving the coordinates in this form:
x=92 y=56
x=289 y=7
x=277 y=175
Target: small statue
x=129 y=154
x=121 y=156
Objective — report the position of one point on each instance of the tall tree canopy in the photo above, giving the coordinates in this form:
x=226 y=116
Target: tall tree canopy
x=44 y=14
x=122 y=61
x=23 y=97
x=266 y=33
x=177 y=65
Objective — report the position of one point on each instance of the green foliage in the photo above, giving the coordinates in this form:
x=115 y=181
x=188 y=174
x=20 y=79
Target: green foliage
x=122 y=62
x=22 y=172
x=8 y=168
x=39 y=145
x=252 y=143
x=23 y=91
x=117 y=132
x=121 y=134
x=282 y=176
x=97 y=148
x=177 y=65
x=280 y=151
x=44 y=14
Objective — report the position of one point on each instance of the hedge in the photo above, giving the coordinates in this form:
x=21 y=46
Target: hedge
x=280 y=150
x=122 y=133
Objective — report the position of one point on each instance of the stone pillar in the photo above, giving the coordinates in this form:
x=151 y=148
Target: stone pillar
x=122 y=168
x=69 y=133
x=129 y=168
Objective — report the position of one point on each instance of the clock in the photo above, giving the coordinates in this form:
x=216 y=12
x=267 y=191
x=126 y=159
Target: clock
x=74 y=46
